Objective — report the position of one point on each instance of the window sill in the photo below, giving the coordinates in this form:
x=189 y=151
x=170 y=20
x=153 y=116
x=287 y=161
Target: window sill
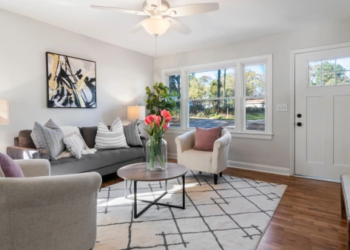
x=248 y=135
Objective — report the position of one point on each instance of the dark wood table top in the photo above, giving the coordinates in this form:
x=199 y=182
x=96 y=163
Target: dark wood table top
x=138 y=172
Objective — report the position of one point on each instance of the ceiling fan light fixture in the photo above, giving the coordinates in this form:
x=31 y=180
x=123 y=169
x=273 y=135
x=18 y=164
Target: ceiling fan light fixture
x=156 y=26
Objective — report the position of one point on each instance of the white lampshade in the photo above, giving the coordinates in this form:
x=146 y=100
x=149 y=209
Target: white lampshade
x=136 y=112
x=4 y=112
x=156 y=26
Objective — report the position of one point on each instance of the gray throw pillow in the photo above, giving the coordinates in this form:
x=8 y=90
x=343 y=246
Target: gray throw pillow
x=48 y=139
x=132 y=136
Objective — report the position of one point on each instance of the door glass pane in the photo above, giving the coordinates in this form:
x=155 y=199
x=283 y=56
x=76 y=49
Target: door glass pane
x=315 y=80
x=175 y=85
x=328 y=66
x=255 y=79
x=176 y=121
x=343 y=77
x=315 y=67
x=343 y=64
x=328 y=79
x=212 y=113
x=212 y=84
x=255 y=114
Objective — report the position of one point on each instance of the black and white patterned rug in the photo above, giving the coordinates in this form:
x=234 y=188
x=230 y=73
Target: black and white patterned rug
x=230 y=215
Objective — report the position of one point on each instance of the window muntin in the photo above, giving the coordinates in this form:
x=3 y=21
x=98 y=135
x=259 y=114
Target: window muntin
x=330 y=72
x=174 y=82
x=255 y=96
x=211 y=98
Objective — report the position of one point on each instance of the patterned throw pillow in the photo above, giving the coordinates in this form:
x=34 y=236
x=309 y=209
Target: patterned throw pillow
x=132 y=136
x=110 y=139
x=48 y=139
x=75 y=145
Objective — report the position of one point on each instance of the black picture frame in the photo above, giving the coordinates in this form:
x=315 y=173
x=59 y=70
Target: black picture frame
x=67 y=89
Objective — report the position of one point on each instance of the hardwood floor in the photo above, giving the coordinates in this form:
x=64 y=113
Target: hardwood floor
x=308 y=216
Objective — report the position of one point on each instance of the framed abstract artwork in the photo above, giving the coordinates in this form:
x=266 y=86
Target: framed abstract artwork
x=71 y=82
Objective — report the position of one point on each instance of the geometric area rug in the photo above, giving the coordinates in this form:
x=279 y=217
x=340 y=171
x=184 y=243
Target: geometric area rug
x=233 y=214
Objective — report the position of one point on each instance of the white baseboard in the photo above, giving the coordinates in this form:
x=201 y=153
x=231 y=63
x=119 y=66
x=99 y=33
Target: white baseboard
x=172 y=156
x=249 y=166
x=259 y=167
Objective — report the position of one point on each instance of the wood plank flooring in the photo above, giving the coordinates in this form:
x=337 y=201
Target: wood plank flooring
x=308 y=216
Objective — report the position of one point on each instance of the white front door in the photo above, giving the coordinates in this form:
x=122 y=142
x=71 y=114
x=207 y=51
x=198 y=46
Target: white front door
x=322 y=113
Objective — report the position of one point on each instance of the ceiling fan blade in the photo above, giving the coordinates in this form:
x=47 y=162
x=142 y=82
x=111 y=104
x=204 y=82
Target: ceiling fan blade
x=192 y=9
x=135 y=12
x=137 y=27
x=179 y=27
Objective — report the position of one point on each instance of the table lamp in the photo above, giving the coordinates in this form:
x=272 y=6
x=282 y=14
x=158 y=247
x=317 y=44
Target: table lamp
x=136 y=112
x=4 y=112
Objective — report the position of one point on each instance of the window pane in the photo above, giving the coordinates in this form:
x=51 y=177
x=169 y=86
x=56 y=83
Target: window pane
x=328 y=66
x=315 y=80
x=212 y=84
x=255 y=114
x=315 y=67
x=343 y=77
x=175 y=85
x=212 y=113
x=343 y=64
x=255 y=80
x=328 y=79
x=176 y=120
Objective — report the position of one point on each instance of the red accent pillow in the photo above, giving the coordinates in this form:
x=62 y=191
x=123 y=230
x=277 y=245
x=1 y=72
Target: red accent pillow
x=205 y=138
x=9 y=167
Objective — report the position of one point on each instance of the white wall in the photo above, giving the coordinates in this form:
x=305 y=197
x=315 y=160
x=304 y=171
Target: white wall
x=274 y=155
x=122 y=75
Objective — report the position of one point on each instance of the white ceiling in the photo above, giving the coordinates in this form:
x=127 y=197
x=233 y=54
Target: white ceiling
x=236 y=20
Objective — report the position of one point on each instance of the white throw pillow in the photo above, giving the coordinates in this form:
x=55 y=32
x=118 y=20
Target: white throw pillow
x=110 y=139
x=68 y=130
x=75 y=145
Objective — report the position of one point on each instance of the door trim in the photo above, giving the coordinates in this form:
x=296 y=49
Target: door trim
x=293 y=54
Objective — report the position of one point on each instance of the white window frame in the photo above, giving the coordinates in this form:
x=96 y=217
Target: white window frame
x=238 y=65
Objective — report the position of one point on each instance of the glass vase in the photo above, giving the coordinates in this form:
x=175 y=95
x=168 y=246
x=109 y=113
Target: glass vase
x=156 y=154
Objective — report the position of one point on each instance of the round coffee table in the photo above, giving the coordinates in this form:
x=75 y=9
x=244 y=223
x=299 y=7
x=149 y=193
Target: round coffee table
x=138 y=172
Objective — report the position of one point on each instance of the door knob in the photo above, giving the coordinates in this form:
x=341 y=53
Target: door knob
x=299 y=115
x=299 y=124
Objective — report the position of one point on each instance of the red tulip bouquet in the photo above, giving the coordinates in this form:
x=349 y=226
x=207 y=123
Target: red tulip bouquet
x=156 y=148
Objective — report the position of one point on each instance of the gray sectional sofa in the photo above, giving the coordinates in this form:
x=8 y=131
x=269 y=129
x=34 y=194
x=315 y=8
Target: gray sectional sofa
x=104 y=161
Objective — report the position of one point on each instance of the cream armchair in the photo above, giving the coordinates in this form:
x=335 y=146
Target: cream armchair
x=41 y=212
x=212 y=162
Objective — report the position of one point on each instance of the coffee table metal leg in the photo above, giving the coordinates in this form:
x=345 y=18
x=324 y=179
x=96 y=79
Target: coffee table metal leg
x=135 y=199
x=183 y=192
x=155 y=202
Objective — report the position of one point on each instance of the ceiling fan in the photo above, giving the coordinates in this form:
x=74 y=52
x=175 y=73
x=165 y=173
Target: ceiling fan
x=161 y=15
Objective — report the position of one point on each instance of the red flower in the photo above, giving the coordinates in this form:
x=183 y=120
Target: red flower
x=150 y=119
x=167 y=119
x=166 y=115
x=166 y=126
x=147 y=120
x=157 y=119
